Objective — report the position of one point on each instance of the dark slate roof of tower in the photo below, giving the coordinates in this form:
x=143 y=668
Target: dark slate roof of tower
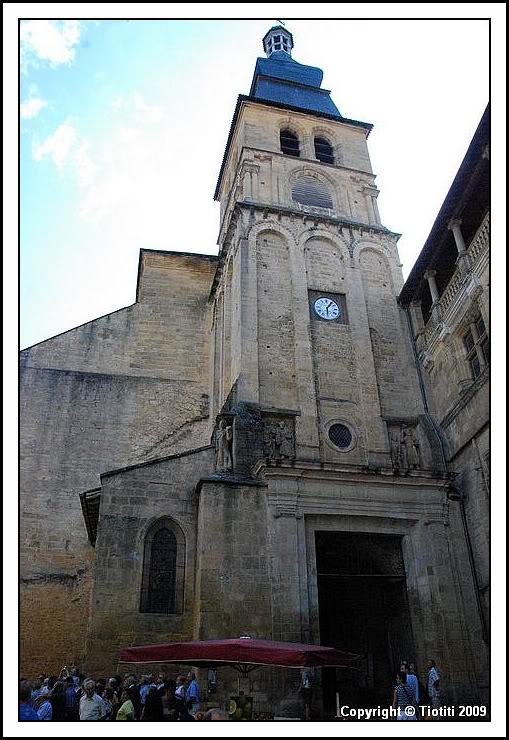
x=283 y=80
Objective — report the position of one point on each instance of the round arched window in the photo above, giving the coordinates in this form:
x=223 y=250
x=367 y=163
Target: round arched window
x=311 y=192
x=323 y=150
x=289 y=142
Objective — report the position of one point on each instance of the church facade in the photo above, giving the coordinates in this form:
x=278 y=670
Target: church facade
x=249 y=447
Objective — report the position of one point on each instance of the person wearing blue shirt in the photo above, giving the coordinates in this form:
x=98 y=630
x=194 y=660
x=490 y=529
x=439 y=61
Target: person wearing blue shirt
x=26 y=712
x=192 y=694
x=413 y=681
x=44 y=708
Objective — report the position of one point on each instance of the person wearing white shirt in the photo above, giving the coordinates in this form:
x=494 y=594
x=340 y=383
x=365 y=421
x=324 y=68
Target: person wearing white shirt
x=433 y=685
x=92 y=707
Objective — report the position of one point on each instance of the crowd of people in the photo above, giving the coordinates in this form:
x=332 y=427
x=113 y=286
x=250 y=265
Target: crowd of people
x=72 y=697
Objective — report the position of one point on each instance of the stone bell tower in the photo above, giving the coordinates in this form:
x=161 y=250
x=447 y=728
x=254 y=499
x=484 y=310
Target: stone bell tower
x=328 y=491
x=306 y=321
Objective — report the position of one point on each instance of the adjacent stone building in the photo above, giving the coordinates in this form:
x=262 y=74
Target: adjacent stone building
x=447 y=299
x=259 y=444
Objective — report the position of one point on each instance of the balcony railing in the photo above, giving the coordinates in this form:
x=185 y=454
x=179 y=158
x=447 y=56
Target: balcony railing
x=464 y=276
x=480 y=242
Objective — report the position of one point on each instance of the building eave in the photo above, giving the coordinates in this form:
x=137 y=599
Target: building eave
x=448 y=209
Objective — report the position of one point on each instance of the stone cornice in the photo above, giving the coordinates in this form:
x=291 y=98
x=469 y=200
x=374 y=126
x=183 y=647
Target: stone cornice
x=309 y=213
x=310 y=470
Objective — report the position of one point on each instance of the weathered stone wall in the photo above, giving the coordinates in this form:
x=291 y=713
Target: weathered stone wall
x=131 y=501
x=394 y=365
x=130 y=386
x=460 y=405
x=276 y=336
x=257 y=170
x=233 y=588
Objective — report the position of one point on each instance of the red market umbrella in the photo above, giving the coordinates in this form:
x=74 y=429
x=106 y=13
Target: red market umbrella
x=245 y=654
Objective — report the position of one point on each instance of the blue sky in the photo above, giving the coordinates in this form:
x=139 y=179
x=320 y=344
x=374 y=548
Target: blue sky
x=123 y=126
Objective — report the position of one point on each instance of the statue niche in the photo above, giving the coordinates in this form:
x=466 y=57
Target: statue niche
x=405 y=447
x=224 y=440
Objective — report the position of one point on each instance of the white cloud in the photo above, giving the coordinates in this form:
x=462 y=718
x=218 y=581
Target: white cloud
x=118 y=102
x=85 y=168
x=58 y=145
x=48 y=41
x=31 y=107
x=125 y=176
x=148 y=113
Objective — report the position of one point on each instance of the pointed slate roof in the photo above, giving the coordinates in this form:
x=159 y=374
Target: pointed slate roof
x=281 y=79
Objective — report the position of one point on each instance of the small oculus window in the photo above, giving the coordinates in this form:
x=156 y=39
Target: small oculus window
x=340 y=435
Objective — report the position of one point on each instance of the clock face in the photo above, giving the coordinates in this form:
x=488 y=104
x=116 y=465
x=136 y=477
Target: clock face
x=326 y=308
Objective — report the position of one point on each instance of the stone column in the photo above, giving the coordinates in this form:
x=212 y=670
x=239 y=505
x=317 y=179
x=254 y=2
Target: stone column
x=288 y=578
x=254 y=184
x=307 y=147
x=454 y=225
x=371 y=212
x=248 y=388
x=375 y=208
x=371 y=193
x=430 y=277
x=435 y=298
x=306 y=434
x=247 y=185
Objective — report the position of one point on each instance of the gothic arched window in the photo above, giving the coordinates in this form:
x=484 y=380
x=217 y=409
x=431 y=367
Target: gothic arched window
x=163 y=569
x=289 y=143
x=323 y=150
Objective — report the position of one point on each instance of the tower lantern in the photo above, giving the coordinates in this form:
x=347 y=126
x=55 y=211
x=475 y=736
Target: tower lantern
x=278 y=39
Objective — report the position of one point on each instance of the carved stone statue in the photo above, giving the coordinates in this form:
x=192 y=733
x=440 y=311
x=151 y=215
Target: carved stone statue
x=278 y=440
x=395 y=444
x=404 y=443
x=413 y=449
x=224 y=437
x=270 y=441
x=287 y=444
x=410 y=448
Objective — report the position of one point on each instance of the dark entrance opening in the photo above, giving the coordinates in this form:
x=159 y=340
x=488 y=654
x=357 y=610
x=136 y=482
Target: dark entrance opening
x=363 y=608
